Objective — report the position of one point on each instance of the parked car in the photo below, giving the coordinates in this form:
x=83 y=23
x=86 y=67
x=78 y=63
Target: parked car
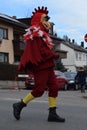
x=62 y=80
x=29 y=82
x=71 y=80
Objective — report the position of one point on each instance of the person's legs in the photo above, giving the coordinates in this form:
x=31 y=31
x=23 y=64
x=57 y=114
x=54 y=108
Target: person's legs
x=17 y=107
x=83 y=88
x=53 y=92
x=40 y=85
x=52 y=102
x=40 y=79
x=82 y=85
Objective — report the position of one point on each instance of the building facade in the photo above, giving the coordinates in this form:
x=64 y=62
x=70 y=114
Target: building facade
x=10 y=30
x=76 y=55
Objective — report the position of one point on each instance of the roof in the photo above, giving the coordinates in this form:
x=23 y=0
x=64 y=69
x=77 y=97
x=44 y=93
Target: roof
x=26 y=21
x=75 y=46
x=11 y=20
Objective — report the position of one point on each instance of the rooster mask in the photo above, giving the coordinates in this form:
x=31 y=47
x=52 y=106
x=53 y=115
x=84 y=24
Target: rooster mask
x=40 y=18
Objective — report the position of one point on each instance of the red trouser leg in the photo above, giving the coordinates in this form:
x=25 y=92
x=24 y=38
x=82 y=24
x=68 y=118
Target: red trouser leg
x=52 y=84
x=40 y=83
x=45 y=79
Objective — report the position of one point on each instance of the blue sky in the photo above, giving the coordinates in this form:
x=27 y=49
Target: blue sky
x=69 y=16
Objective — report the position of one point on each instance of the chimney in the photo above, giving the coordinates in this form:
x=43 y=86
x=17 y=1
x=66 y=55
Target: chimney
x=73 y=40
x=14 y=17
x=69 y=40
x=82 y=44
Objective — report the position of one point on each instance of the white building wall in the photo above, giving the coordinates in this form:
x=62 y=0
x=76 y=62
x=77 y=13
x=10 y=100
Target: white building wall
x=74 y=58
x=80 y=59
x=69 y=62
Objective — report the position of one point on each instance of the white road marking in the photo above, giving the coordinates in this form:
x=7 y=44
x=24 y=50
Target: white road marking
x=17 y=99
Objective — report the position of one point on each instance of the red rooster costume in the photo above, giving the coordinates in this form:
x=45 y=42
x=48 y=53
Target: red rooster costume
x=38 y=58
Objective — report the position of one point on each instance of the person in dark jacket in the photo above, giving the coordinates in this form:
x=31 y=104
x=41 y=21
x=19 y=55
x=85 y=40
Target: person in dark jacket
x=38 y=58
x=81 y=78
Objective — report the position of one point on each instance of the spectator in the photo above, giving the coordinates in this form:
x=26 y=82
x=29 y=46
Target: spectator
x=81 y=78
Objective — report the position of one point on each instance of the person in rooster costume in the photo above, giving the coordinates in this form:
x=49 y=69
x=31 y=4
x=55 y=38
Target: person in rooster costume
x=38 y=58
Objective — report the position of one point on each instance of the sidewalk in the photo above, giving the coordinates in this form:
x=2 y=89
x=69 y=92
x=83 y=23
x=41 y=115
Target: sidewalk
x=11 y=84
x=21 y=85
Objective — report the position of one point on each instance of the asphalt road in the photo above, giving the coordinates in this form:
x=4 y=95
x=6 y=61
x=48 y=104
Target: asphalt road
x=71 y=104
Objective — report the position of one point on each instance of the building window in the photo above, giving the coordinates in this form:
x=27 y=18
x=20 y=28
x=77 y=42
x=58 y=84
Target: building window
x=76 y=56
x=4 y=33
x=22 y=45
x=16 y=36
x=80 y=57
x=84 y=57
x=4 y=57
x=16 y=59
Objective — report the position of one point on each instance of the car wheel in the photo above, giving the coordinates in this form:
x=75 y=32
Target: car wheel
x=65 y=87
